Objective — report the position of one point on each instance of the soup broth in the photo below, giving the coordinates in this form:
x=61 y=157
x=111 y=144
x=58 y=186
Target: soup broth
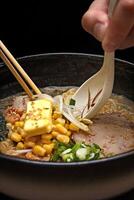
x=110 y=132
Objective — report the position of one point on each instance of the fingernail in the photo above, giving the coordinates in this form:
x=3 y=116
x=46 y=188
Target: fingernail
x=99 y=30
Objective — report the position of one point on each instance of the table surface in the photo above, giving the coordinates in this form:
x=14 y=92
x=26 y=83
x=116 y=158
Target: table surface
x=127 y=196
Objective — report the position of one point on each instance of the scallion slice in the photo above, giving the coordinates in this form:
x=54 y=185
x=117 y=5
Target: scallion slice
x=72 y=102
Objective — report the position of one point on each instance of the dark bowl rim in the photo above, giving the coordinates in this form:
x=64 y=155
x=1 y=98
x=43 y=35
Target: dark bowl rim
x=67 y=53
x=14 y=159
x=71 y=164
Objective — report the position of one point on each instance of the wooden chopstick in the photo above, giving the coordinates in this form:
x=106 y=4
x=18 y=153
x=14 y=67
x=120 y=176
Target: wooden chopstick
x=15 y=73
x=19 y=68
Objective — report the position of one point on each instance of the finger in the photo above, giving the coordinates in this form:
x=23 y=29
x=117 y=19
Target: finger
x=95 y=20
x=120 y=25
x=129 y=41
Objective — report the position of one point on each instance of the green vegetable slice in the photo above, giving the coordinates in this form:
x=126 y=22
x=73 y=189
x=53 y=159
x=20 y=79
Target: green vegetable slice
x=76 y=152
x=72 y=102
x=59 y=149
x=68 y=157
x=81 y=153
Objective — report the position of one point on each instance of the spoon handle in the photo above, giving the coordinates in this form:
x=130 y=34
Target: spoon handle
x=109 y=57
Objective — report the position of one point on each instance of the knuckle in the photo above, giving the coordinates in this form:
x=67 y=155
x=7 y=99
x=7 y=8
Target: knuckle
x=88 y=20
x=85 y=22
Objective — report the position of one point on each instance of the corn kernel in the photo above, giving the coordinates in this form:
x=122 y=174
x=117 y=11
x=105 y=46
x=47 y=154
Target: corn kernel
x=54 y=133
x=16 y=137
x=47 y=136
x=60 y=121
x=72 y=127
x=56 y=115
x=38 y=150
x=44 y=141
x=20 y=145
x=63 y=138
x=60 y=128
x=19 y=124
x=48 y=148
x=31 y=156
x=21 y=132
x=29 y=144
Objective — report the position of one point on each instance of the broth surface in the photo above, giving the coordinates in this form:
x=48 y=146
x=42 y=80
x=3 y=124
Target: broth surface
x=112 y=128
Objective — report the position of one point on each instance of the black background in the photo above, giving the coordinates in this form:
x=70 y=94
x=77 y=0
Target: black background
x=128 y=196
x=32 y=27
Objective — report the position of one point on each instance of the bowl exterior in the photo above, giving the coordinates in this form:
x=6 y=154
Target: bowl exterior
x=93 y=180
x=88 y=180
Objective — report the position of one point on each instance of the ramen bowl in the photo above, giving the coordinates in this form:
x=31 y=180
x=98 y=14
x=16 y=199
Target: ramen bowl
x=96 y=179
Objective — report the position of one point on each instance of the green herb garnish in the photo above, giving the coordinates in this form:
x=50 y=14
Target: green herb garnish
x=72 y=102
x=76 y=152
x=59 y=149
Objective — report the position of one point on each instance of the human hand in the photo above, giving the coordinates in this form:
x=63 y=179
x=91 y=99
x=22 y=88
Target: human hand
x=114 y=33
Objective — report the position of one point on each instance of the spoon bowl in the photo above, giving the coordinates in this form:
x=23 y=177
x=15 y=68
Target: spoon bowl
x=95 y=91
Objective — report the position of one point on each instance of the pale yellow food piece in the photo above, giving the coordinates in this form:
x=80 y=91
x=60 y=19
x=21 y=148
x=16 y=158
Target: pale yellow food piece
x=38 y=150
x=63 y=138
x=60 y=121
x=16 y=137
x=60 y=128
x=38 y=117
x=29 y=144
x=20 y=146
x=19 y=124
x=72 y=127
x=49 y=148
x=54 y=133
